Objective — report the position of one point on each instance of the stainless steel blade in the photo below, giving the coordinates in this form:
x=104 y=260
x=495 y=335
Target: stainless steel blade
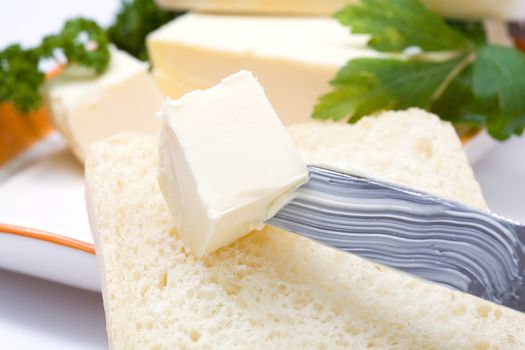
x=439 y=240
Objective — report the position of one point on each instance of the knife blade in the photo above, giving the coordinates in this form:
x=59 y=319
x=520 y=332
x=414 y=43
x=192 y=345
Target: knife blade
x=424 y=235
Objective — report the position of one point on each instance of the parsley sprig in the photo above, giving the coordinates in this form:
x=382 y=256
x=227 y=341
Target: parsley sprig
x=80 y=42
x=134 y=21
x=20 y=77
x=479 y=85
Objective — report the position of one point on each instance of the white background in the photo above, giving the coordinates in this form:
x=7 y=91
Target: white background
x=36 y=314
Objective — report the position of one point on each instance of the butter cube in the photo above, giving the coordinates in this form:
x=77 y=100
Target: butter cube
x=227 y=163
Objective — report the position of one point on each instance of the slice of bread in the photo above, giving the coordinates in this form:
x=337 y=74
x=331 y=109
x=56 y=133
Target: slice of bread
x=411 y=147
x=273 y=289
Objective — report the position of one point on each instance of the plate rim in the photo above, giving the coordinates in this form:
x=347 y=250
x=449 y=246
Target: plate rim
x=46 y=236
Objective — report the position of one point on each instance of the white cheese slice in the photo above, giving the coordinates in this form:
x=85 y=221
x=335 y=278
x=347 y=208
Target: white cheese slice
x=86 y=109
x=294 y=58
x=503 y=9
x=227 y=163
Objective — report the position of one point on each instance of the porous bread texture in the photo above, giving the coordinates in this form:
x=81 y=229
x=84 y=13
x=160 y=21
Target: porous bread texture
x=273 y=289
x=411 y=147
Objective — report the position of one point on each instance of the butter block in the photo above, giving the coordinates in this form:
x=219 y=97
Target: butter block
x=86 y=109
x=502 y=9
x=227 y=163
x=294 y=58
x=286 y=7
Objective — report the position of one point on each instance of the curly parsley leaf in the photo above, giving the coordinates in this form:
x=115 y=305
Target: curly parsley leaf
x=395 y=25
x=81 y=41
x=134 y=21
x=85 y=43
x=368 y=85
x=20 y=78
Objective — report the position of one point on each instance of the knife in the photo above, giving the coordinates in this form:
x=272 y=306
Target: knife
x=433 y=238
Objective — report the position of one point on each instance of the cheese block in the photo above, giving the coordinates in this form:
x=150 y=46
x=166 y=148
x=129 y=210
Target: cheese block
x=219 y=174
x=86 y=109
x=293 y=58
x=503 y=9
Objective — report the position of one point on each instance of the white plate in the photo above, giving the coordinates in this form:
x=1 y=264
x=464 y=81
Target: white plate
x=43 y=221
x=44 y=228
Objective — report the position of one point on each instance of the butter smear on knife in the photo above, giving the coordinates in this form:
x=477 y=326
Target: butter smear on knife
x=227 y=163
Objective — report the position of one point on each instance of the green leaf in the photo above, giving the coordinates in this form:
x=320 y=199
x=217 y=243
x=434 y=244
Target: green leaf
x=490 y=93
x=458 y=104
x=368 y=85
x=499 y=72
x=134 y=21
x=484 y=86
x=455 y=102
x=499 y=82
x=395 y=25
x=473 y=30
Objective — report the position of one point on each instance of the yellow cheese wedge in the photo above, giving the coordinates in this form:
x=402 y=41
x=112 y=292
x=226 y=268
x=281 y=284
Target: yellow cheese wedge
x=294 y=58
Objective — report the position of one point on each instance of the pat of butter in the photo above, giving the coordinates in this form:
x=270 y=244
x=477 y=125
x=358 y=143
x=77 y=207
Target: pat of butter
x=86 y=109
x=503 y=9
x=227 y=163
x=294 y=58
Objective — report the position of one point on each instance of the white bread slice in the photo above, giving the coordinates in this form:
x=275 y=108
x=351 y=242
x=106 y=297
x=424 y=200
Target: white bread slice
x=273 y=289
x=411 y=147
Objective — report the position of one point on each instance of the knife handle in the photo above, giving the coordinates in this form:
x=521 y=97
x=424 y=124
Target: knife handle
x=436 y=239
